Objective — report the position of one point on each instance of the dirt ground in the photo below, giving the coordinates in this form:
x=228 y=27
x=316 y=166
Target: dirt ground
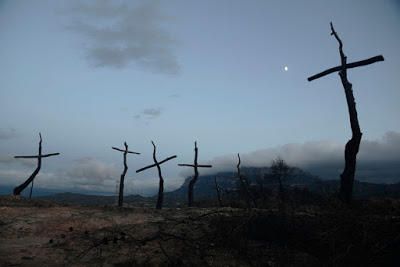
x=41 y=233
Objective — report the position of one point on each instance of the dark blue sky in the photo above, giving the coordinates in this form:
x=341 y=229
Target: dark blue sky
x=92 y=74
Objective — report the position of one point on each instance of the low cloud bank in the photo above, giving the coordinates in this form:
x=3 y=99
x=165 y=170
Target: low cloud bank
x=7 y=133
x=378 y=160
x=84 y=175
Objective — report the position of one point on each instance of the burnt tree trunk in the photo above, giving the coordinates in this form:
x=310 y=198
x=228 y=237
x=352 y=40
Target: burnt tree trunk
x=218 y=192
x=30 y=193
x=121 y=182
x=20 y=188
x=160 y=197
x=244 y=185
x=281 y=190
x=194 y=179
x=353 y=145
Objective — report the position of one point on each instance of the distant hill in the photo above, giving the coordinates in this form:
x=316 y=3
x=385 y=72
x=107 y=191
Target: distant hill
x=205 y=186
x=37 y=191
x=361 y=189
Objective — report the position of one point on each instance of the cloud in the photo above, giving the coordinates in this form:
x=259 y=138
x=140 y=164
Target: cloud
x=87 y=174
x=120 y=35
x=83 y=175
x=152 y=113
x=92 y=172
x=6 y=159
x=27 y=162
x=378 y=160
x=149 y=113
x=13 y=176
x=174 y=96
x=10 y=160
x=137 y=185
x=7 y=133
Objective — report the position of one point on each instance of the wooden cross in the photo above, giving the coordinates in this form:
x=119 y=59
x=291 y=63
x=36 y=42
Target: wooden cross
x=195 y=166
x=121 y=182
x=20 y=188
x=352 y=146
x=161 y=183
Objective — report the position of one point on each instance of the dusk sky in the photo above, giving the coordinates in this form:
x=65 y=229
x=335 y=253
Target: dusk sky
x=90 y=75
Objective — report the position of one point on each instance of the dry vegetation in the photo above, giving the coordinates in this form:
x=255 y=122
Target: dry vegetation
x=40 y=233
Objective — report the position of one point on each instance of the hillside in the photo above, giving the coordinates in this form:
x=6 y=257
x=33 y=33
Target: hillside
x=205 y=186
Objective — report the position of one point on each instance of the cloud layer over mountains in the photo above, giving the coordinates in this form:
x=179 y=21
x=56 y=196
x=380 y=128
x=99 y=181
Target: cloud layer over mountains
x=379 y=161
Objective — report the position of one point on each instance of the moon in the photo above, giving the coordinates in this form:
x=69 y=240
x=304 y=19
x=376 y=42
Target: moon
x=286 y=68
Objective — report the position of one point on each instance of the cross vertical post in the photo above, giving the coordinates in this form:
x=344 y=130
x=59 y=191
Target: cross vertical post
x=195 y=166
x=20 y=188
x=157 y=164
x=121 y=182
x=353 y=145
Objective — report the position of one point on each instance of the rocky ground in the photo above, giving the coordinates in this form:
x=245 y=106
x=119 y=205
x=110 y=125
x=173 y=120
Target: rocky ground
x=41 y=233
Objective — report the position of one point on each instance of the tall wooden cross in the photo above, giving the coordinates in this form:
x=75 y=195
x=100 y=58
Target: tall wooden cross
x=121 y=182
x=157 y=164
x=352 y=146
x=195 y=166
x=20 y=188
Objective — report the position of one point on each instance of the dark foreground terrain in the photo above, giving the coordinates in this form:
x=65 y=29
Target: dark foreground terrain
x=41 y=233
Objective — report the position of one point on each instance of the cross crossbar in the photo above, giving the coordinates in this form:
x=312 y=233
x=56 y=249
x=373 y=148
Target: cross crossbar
x=195 y=165
x=155 y=164
x=127 y=151
x=198 y=165
x=37 y=156
x=347 y=66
